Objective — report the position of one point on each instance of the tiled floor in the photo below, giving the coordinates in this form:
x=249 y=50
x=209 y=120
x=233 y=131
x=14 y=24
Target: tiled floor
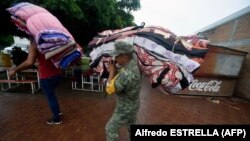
x=23 y=116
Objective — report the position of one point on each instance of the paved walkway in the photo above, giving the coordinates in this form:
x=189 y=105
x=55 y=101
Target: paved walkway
x=23 y=116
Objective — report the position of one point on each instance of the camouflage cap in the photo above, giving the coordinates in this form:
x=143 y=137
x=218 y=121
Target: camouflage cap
x=122 y=47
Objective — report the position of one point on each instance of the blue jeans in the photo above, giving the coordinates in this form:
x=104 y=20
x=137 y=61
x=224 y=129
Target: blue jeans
x=48 y=86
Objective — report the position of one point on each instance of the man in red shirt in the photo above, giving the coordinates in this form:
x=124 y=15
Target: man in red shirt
x=50 y=77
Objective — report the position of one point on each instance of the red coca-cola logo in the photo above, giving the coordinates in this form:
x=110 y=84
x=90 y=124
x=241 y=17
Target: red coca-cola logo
x=210 y=86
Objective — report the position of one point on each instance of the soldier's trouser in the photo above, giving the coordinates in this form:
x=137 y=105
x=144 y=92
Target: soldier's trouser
x=116 y=121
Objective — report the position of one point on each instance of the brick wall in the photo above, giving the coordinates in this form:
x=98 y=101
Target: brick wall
x=235 y=34
x=243 y=28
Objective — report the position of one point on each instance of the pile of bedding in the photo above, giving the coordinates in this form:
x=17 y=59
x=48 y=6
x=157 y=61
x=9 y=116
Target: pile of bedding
x=52 y=38
x=167 y=60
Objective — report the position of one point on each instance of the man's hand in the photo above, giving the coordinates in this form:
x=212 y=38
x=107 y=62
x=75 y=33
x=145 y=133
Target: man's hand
x=11 y=72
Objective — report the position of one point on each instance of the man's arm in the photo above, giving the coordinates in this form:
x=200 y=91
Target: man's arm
x=28 y=62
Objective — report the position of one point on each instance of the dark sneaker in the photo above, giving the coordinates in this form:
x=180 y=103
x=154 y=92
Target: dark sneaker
x=54 y=121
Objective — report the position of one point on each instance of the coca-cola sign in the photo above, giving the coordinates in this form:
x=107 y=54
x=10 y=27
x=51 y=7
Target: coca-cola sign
x=210 y=86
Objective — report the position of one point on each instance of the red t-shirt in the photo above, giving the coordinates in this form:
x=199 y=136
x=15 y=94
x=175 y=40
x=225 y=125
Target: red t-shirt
x=46 y=67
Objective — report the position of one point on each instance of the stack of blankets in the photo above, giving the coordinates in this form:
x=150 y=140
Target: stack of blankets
x=167 y=60
x=52 y=38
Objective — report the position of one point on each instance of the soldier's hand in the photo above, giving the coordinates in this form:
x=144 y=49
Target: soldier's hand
x=111 y=67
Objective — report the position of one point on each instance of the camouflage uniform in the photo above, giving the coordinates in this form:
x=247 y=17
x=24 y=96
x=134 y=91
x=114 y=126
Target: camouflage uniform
x=127 y=87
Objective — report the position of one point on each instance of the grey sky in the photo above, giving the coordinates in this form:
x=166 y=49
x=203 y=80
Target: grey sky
x=185 y=17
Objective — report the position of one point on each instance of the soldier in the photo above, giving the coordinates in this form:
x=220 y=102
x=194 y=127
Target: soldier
x=126 y=84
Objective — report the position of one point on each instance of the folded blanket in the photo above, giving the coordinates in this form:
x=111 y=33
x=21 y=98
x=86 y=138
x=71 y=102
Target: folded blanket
x=59 y=50
x=18 y=6
x=67 y=60
x=25 y=12
x=37 y=25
